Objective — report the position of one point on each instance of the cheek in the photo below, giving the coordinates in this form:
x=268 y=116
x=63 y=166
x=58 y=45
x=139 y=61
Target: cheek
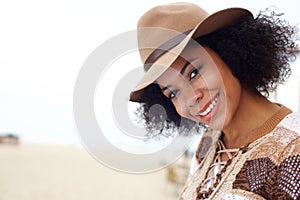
x=210 y=78
x=233 y=95
x=232 y=86
x=180 y=108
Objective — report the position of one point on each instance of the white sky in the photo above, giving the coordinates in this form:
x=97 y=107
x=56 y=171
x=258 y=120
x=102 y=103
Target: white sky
x=44 y=43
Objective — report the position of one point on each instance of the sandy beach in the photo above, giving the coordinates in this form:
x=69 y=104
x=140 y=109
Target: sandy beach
x=36 y=171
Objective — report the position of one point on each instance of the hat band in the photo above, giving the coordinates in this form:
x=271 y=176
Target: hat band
x=163 y=48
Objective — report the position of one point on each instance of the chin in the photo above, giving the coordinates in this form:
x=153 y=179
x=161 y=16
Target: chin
x=216 y=126
x=219 y=122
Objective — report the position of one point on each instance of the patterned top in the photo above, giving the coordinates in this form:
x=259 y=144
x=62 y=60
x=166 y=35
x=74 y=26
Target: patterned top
x=268 y=169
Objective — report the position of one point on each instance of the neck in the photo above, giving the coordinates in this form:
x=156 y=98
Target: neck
x=248 y=123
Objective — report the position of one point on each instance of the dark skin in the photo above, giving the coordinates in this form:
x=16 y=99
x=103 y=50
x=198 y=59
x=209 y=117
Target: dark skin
x=239 y=111
x=257 y=52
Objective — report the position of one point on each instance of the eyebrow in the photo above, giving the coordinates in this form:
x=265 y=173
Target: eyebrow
x=184 y=67
x=181 y=72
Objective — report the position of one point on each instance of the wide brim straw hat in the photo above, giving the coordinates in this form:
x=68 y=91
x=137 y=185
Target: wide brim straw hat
x=164 y=31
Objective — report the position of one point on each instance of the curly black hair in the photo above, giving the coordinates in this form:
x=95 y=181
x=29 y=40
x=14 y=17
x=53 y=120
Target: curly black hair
x=257 y=50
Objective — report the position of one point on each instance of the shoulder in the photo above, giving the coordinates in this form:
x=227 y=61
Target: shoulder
x=288 y=174
x=282 y=142
x=291 y=122
x=288 y=129
x=287 y=134
x=273 y=167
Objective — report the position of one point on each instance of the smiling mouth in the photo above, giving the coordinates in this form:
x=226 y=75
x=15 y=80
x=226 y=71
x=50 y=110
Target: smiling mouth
x=210 y=107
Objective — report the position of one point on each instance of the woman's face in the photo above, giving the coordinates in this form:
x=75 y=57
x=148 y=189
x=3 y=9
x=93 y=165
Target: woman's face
x=202 y=87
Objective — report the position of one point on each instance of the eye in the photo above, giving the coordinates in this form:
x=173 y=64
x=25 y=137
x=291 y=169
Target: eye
x=172 y=94
x=193 y=73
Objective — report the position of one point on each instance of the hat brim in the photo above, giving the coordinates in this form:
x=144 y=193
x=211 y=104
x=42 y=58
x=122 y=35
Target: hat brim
x=208 y=25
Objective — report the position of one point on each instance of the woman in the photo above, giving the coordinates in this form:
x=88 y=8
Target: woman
x=218 y=70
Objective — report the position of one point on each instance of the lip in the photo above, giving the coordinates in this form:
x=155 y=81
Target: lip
x=212 y=112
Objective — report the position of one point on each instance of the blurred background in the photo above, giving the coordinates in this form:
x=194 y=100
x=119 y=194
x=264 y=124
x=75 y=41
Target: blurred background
x=43 y=45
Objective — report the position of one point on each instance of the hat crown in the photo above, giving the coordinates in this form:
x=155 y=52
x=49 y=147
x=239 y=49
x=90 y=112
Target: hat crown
x=164 y=22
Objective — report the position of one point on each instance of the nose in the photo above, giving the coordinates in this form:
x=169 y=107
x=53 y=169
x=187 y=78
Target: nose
x=193 y=97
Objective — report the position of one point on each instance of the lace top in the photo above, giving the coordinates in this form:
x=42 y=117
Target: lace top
x=269 y=168
x=216 y=168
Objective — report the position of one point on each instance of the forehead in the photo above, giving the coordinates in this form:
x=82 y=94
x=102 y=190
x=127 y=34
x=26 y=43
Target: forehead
x=191 y=53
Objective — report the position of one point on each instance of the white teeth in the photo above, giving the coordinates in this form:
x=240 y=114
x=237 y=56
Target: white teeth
x=210 y=107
